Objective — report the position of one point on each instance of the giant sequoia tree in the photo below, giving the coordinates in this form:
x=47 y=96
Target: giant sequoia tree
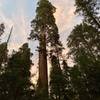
x=45 y=31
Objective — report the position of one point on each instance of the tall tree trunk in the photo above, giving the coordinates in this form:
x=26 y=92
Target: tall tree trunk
x=43 y=72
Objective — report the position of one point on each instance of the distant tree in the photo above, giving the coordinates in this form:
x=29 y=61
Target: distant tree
x=3 y=50
x=79 y=84
x=3 y=56
x=15 y=83
x=2 y=27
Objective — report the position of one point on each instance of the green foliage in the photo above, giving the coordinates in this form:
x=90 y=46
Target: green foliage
x=90 y=10
x=15 y=82
x=85 y=37
x=45 y=22
x=69 y=88
x=2 y=27
x=3 y=48
x=85 y=48
x=3 y=55
x=57 y=81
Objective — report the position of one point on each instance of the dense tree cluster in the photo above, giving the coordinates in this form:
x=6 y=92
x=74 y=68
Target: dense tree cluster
x=15 y=81
x=85 y=47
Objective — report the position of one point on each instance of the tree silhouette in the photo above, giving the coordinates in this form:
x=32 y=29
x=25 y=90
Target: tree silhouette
x=15 y=82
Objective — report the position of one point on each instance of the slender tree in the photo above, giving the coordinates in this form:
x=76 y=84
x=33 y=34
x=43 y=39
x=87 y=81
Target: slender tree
x=3 y=50
x=90 y=10
x=57 y=80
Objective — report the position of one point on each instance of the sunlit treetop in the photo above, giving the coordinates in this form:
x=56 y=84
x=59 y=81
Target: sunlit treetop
x=45 y=22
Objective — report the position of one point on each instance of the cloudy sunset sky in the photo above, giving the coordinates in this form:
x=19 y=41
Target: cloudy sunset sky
x=19 y=13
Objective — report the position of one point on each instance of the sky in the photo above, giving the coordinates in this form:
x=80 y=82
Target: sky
x=19 y=13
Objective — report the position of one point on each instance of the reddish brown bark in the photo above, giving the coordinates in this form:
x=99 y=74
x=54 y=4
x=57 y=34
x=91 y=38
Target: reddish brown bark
x=43 y=72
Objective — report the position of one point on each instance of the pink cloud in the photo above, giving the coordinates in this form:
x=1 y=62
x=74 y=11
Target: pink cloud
x=64 y=14
x=65 y=17
x=18 y=21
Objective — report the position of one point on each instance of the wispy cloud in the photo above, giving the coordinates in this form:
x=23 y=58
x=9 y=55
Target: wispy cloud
x=65 y=17
x=64 y=13
x=66 y=20
x=18 y=20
